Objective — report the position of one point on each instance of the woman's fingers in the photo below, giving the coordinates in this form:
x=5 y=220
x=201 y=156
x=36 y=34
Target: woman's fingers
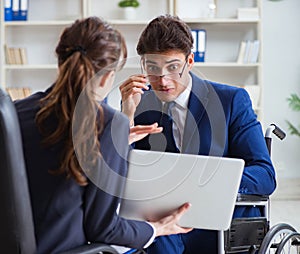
x=138 y=132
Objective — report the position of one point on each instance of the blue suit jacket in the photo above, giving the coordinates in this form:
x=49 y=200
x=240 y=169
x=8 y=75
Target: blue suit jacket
x=220 y=122
x=67 y=215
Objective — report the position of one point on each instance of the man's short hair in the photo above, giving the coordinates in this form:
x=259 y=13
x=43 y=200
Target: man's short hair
x=165 y=33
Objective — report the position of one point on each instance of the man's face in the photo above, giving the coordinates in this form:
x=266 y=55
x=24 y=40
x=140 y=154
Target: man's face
x=168 y=73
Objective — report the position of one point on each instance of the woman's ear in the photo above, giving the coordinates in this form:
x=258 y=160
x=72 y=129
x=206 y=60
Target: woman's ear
x=106 y=78
x=104 y=85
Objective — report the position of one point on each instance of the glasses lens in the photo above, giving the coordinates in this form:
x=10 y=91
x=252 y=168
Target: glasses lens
x=153 y=78
x=155 y=73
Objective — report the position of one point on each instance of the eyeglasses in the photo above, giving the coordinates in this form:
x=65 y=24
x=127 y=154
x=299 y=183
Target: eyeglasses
x=153 y=72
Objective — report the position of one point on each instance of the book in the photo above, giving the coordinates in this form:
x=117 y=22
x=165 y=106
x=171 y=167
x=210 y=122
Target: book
x=254 y=52
x=240 y=58
x=15 y=55
x=248 y=52
x=8 y=57
x=12 y=56
x=17 y=93
x=23 y=55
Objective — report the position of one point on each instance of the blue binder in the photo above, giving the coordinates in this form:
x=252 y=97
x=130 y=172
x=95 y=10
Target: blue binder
x=19 y=10
x=8 y=10
x=15 y=5
x=199 y=49
x=23 y=10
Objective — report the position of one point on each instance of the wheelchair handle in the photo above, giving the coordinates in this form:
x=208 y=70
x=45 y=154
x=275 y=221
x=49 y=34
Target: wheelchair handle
x=273 y=128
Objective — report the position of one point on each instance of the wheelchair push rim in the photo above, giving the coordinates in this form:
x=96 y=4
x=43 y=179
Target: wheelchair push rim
x=274 y=237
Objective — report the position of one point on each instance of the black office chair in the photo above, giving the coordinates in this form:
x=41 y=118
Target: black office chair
x=16 y=223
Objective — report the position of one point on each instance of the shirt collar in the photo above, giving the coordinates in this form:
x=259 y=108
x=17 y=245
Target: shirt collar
x=183 y=99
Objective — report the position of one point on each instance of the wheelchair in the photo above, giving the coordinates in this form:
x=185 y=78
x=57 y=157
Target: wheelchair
x=254 y=235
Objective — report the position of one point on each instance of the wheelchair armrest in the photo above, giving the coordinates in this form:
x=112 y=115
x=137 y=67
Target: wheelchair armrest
x=251 y=198
x=92 y=248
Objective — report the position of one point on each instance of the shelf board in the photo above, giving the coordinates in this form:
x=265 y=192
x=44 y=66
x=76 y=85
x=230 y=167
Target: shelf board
x=68 y=22
x=225 y=64
x=127 y=22
x=39 y=23
x=220 y=20
x=30 y=66
x=187 y=20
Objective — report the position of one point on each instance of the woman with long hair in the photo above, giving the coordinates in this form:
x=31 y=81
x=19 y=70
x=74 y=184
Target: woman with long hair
x=76 y=148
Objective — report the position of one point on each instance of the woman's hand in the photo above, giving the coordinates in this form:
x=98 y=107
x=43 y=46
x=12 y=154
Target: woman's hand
x=168 y=224
x=138 y=132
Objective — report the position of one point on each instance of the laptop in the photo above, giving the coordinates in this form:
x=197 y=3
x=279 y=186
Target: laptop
x=160 y=182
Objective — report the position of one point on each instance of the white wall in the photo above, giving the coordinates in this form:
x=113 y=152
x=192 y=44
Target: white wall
x=281 y=72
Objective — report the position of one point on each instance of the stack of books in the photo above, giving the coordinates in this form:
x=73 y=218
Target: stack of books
x=15 y=10
x=15 y=55
x=17 y=93
x=249 y=52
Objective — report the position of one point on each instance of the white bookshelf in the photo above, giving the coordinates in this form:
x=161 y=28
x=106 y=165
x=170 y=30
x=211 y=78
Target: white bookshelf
x=40 y=34
x=225 y=32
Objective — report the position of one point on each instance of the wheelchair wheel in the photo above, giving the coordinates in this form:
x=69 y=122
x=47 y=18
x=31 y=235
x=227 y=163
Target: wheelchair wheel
x=290 y=244
x=273 y=238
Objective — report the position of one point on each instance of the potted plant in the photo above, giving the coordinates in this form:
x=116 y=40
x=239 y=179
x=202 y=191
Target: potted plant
x=129 y=8
x=294 y=104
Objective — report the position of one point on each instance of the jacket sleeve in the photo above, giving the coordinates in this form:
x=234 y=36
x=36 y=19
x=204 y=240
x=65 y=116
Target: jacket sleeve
x=247 y=142
x=102 y=195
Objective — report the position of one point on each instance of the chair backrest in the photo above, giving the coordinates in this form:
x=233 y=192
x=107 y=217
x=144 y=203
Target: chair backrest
x=16 y=224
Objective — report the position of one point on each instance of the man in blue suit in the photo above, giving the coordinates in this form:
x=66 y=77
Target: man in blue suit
x=207 y=118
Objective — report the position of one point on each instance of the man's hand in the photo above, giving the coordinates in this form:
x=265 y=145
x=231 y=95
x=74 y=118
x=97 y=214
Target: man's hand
x=131 y=91
x=138 y=132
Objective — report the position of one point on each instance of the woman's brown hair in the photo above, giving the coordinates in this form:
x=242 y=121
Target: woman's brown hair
x=87 y=48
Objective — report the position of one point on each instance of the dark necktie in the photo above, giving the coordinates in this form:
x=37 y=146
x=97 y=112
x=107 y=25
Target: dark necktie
x=166 y=122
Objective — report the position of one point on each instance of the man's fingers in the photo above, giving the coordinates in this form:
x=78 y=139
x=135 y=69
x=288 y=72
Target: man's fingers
x=126 y=93
x=134 y=81
x=129 y=86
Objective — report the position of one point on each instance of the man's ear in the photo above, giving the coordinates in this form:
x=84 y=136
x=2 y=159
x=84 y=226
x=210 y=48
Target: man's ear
x=190 y=60
x=105 y=77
